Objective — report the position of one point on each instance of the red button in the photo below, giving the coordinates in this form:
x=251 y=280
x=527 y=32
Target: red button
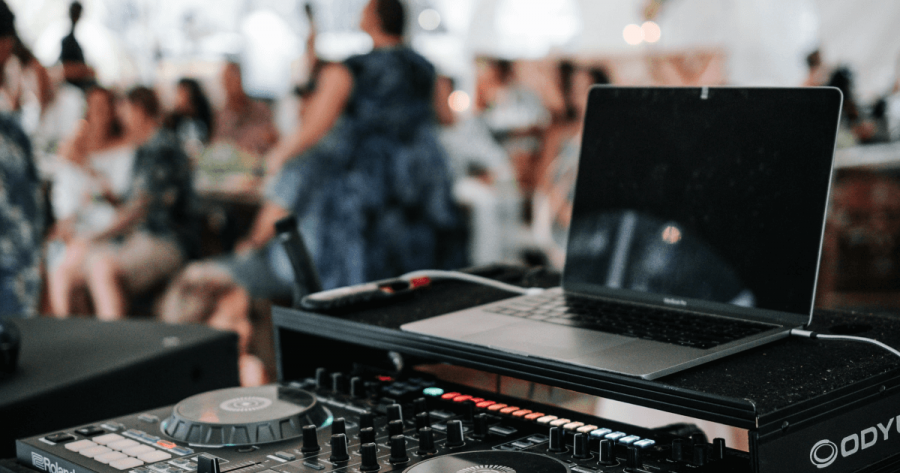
x=484 y=404
x=385 y=379
x=496 y=407
x=419 y=282
x=164 y=444
x=509 y=410
x=521 y=413
x=449 y=395
x=477 y=400
x=534 y=415
x=464 y=397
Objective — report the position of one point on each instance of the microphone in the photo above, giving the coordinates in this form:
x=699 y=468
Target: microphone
x=306 y=278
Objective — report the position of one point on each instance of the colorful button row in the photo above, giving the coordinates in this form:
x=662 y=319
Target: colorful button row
x=541 y=418
x=622 y=438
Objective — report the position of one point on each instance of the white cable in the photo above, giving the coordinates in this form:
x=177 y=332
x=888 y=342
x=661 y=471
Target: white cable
x=814 y=335
x=437 y=274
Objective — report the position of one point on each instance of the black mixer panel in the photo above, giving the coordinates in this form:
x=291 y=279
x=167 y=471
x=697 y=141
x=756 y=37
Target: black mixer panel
x=368 y=422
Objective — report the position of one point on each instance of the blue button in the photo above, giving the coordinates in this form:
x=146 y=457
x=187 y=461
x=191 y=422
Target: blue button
x=600 y=433
x=644 y=443
x=615 y=435
x=433 y=391
x=629 y=440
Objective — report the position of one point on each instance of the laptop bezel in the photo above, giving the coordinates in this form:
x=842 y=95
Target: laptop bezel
x=698 y=305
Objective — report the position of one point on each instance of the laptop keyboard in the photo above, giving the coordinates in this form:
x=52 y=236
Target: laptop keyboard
x=662 y=325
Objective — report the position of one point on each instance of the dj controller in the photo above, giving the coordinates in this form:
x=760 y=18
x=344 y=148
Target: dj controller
x=368 y=422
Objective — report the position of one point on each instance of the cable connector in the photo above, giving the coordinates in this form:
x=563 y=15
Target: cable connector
x=804 y=333
x=815 y=336
x=435 y=274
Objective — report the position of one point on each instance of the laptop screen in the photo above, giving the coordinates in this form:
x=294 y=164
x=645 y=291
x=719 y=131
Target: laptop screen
x=711 y=199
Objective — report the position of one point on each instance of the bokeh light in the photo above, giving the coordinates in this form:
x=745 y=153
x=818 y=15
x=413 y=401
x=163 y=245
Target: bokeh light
x=651 y=31
x=429 y=19
x=671 y=234
x=459 y=101
x=633 y=34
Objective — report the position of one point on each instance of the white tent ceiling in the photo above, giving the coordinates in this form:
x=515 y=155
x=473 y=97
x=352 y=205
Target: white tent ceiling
x=765 y=40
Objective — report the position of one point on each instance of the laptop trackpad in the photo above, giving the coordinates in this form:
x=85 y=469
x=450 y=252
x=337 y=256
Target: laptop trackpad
x=546 y=340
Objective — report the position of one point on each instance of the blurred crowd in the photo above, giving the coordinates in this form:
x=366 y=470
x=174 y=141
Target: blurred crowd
x=116 y=204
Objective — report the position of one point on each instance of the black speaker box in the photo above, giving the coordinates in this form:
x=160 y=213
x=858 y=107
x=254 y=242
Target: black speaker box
x=77 y=371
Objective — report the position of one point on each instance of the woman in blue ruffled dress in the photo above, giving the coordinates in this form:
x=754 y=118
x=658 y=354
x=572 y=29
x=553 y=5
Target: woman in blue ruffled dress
x=365 y=173
x=365 y=176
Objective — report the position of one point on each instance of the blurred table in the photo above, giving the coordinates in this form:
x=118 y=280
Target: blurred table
x=876 y=156
x=229 y=187
x=861 y=252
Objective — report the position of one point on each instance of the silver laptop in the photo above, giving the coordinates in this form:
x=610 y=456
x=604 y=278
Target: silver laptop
x=696 y=232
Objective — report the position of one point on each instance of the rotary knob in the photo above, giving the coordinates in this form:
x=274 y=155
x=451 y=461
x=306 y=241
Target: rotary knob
x=369 y=453
x=367 y=435
x=339 y=451
x=398 y=449
x=582 y=446
x=423 y=420
x=357 y=388
x=556 y=440
x=338 y=383
x=426 y=441
x=678 y=449
x=420 y=405
x=606 y=453
x=366 y=419
x=718 y=449
x=338 y=426
x=481 y=426
x=455 y=434
x=395 y=427
x=394 y=412
x=322 y=378
x=699 y=458
x=310 y=440
x=468 y=413
x=634 y=461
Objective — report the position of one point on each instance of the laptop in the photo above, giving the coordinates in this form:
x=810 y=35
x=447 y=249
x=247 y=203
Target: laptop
x=696 y=232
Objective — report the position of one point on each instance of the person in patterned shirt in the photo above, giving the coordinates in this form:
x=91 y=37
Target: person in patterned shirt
x=152 y=233
x=21 y=209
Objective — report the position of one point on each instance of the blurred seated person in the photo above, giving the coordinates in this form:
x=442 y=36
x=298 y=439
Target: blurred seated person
x=91 y=179
x=244 y=122
x=220 y=292
x=192 y=118
x=151 y=234
x=27 y=85
x=569 y=125
x=63 y=107
x=483 y=182
x=819 y=73
x=552 y=205
x=854 y=127
x=21 y=212
x=514 y=113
